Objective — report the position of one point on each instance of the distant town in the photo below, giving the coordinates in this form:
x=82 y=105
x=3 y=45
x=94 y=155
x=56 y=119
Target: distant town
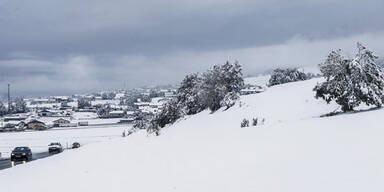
x=96 y=109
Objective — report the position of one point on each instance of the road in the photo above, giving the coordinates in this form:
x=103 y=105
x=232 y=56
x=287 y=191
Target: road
x=6 y=163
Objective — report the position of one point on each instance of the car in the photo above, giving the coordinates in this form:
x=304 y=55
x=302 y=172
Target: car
x=21 y=154
x=55 y=148
x=75 y=145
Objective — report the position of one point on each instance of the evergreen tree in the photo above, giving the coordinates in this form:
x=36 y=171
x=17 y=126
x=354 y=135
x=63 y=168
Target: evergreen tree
x=188 y=95
x=350 y=82
x=219 y=81
x=168 y=115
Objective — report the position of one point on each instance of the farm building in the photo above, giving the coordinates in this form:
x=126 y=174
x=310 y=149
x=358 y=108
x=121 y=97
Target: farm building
x=36 y=125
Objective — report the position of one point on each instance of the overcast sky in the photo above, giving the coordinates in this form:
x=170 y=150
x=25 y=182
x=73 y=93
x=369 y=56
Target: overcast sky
x=77 y=46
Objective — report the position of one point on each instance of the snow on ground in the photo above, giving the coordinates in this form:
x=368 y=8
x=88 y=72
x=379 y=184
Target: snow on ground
x=38 y=140
x=84 y=115
x=295 y=150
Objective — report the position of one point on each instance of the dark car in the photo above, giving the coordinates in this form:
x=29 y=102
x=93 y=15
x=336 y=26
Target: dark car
x=55 y=148
x=75 y=145
x=21 y=154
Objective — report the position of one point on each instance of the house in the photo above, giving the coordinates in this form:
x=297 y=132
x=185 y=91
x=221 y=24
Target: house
x=61 y=123
x=45 y=113
x=36 y=125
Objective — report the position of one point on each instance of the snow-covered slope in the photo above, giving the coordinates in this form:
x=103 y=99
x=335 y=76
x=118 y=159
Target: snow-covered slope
x=294 y=150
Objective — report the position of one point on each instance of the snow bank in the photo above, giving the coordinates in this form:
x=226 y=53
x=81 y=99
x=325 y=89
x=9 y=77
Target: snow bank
x=294 y=150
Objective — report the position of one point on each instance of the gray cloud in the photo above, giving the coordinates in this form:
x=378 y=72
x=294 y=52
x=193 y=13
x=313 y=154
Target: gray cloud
x=78 y=46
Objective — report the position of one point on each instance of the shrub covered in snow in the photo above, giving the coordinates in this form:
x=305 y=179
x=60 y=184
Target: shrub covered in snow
x=254 y=121
x=350 y=82
x=281 y=76
x=244 y=123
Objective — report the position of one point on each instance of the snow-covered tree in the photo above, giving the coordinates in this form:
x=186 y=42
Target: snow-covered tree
x=350 y=82
x=103 y=110
x=169 y=114
x=281 y=76
x=219 y=81
x=82 y=103
x=3 y=109
x=19 y=105
x=189 y=95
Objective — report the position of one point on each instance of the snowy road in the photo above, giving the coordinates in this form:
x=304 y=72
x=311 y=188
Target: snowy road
x=6 y=163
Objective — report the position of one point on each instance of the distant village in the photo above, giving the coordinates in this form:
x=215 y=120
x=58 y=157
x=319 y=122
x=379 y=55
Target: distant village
x=97 y=109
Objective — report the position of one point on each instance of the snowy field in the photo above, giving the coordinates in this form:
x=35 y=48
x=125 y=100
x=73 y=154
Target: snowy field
x=38 y=140
x=293 y=151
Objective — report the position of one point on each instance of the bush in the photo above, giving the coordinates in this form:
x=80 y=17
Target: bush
x=254 y=122
x=244 y=123
x=281 y=76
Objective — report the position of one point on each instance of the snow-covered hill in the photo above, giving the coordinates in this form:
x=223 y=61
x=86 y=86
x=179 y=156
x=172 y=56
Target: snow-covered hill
x=295 y=150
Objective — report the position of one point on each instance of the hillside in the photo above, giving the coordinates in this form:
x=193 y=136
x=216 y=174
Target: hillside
x=294 y=150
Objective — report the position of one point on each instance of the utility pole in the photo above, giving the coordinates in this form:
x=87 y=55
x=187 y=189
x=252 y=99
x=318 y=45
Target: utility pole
x=9 y=99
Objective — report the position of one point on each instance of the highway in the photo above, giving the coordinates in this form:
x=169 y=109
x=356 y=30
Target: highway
x=6 y=163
